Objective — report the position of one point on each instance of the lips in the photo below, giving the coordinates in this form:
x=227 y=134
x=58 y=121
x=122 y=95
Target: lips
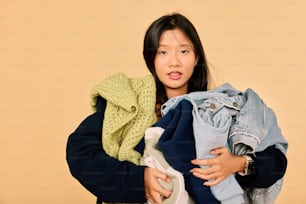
x=174 y=75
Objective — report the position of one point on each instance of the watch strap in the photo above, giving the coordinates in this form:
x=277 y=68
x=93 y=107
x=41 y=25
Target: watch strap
x=249 y=167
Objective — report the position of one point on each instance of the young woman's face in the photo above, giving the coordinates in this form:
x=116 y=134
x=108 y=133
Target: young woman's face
x=175 y=61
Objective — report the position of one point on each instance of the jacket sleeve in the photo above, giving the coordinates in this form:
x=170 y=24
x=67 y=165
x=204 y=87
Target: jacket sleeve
x=270 y=166
x=109 y=179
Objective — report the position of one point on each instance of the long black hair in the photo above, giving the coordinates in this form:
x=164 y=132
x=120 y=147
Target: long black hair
x=200 y=76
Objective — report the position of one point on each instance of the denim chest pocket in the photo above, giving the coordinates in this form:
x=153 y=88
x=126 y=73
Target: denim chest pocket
x=214 y=104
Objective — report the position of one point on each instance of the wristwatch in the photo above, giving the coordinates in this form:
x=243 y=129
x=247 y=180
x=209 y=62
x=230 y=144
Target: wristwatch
x=249 y=167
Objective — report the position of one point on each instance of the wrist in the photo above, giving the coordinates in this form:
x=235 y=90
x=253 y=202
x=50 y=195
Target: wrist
x=249 y=167
x=241 y=162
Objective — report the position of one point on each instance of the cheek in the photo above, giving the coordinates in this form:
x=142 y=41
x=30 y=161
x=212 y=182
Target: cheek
x=160 y=65
x=159 y=61
x=190 y=63
x=156 y=63
x=190 y=67
x=159 y=72
x=158 y=68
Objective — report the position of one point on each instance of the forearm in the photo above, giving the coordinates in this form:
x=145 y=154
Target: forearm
x=106 y=177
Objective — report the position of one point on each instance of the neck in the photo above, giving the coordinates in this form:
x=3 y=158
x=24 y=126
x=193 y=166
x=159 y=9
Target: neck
x=175 y=92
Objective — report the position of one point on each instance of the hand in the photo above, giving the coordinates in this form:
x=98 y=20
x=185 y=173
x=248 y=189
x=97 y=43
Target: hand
x=155 y=193
x=219 y=167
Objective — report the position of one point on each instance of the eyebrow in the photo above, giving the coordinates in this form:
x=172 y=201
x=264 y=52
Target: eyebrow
x=182 y=45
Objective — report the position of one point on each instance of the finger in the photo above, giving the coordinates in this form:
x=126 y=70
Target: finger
x=205 y=162
x=163 y=176
x=218 y=150
x=158 y=199
x=206 y=177
x=150 y=201
x=212 y=182
x=200 y=162
x=207 y=174
x=209 y=170
x=164 y=193
x=199 y=175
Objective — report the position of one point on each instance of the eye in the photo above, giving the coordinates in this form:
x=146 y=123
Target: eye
x=184 y=52
x=162 y=52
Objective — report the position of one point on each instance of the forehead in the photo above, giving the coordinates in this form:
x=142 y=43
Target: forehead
x=174 y=37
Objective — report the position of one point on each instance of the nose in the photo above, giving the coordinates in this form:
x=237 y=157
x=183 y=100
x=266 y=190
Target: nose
x=174 y=60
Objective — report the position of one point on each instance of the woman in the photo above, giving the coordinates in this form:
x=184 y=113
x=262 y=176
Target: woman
x=174 y=55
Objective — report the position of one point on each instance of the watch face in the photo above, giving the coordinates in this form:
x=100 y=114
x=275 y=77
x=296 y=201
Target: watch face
x=251 y=168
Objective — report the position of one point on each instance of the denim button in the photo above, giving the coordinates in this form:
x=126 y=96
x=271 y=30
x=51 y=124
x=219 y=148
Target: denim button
x=212 y=106
x=235 y=104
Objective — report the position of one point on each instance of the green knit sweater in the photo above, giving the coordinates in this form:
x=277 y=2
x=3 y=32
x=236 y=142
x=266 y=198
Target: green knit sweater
x=130 y=110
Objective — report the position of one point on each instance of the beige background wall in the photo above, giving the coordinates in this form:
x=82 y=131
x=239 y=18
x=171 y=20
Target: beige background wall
x=53 y=52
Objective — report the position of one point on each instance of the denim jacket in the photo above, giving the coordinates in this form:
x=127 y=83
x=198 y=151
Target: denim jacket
x=250 y=125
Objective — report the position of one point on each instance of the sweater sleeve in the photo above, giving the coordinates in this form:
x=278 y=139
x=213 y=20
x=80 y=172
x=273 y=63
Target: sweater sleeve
x=270 y=165
x=109 y=179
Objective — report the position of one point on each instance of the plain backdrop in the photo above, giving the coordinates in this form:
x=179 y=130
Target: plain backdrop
x=53 y=52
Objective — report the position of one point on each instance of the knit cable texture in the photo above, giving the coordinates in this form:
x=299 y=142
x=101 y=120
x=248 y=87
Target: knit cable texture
x=130 y=110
